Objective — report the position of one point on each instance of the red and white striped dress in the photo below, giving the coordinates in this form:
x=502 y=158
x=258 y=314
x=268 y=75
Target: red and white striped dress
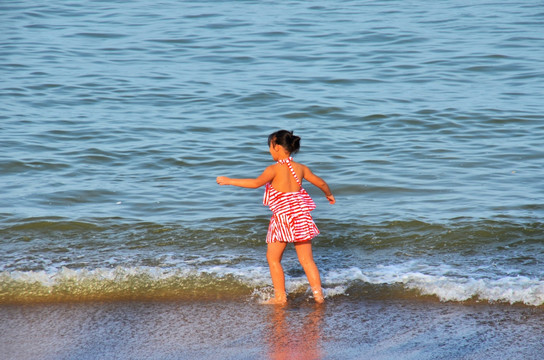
x=291 y=220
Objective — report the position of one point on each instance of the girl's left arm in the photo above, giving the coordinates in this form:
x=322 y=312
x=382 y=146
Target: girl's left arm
x=267 y=176
x=320 y=183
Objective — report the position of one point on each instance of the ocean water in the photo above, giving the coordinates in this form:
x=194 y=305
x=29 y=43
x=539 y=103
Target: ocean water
x=426 y=119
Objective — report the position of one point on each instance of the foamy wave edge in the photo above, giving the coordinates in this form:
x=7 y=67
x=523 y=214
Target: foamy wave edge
x=510 y=289
x=120 y=283
x=221 y=282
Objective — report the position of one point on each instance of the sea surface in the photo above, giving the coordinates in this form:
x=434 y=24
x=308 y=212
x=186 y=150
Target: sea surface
x=425 y=118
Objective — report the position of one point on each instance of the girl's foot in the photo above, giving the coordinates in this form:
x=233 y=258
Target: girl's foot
x=318 y=296
x=276 y=301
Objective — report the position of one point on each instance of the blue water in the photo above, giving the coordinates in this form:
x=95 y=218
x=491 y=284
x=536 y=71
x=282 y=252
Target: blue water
x=425 y=119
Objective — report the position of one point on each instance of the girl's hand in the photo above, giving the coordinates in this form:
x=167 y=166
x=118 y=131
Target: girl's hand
x=331 y=199
x=222 y=180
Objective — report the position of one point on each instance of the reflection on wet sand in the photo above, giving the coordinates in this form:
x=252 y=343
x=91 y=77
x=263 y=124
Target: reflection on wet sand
x=295 y=334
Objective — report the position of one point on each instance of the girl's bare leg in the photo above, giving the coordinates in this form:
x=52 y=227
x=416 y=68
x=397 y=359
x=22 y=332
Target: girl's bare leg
x=274 y=254
x=305 y=256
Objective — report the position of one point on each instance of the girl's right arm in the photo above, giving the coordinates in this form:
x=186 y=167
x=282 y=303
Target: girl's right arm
x=267 y=176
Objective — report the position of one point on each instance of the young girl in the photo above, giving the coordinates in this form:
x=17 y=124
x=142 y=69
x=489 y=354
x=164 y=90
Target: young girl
x=291 y=205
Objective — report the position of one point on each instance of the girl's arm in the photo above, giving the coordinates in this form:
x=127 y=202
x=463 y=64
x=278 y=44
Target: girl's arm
x=267 y=176
x=320 y=183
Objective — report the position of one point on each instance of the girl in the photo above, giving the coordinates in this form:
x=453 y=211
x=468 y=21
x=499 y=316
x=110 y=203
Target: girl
x=291 y=205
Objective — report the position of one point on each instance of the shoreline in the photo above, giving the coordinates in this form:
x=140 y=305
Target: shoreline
x=339 y=329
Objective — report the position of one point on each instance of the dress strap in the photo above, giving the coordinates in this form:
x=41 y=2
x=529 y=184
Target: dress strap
x=288 y=162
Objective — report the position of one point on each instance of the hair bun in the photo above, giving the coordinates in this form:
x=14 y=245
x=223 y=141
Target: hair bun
x=287 y=139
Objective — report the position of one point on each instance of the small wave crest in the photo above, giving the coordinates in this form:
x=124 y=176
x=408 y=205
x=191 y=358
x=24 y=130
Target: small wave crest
x=121 y=283
x=155 y=283
x=398 y=281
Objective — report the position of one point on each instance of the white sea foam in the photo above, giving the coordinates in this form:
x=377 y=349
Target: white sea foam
x=411 y=276
x=509 y=289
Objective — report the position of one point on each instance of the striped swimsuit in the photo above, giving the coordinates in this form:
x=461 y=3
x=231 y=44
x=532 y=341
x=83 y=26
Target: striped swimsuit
x=291 y=220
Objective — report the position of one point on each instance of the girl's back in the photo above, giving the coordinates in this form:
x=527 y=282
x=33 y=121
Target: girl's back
x=284 y=181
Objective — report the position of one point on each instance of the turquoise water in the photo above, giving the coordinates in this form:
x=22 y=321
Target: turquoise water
x=425 y=119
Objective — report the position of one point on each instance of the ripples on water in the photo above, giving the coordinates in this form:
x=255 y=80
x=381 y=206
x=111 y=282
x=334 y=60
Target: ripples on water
x=432 y=107
x=120 y=113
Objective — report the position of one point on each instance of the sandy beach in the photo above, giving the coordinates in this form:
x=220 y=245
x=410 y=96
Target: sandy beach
x=373 y=329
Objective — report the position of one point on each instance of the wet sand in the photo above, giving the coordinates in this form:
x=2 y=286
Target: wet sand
x=341 y=329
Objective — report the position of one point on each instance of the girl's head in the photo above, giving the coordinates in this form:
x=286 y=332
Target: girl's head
x=285 y=138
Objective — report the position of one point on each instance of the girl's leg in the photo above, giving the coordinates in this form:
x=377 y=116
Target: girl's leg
x=274 y=254
x=305 y=256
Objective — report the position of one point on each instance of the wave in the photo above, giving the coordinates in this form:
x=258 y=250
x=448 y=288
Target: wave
x=392 y=282
x=455 y=234
x=137 y=283
x=212 y=283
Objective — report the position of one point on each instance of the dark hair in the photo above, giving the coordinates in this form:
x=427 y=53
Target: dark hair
x=286 y=139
